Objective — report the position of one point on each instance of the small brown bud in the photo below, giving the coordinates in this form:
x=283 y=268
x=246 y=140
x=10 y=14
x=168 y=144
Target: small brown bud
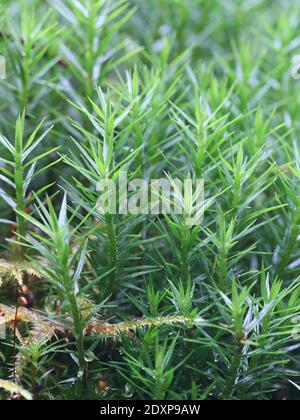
x=22 y=301
x=25 y=289
x=102 y=385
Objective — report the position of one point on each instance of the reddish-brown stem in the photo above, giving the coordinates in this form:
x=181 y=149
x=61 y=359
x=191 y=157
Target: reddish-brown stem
x=15 y=339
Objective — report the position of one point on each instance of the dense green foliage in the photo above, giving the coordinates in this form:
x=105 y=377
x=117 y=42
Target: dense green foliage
x=184 y=87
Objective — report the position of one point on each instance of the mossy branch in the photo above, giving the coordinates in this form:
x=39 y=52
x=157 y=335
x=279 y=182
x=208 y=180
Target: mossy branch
x=42 y=329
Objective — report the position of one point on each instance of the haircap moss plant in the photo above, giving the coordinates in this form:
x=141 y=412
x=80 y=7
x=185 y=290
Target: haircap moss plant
x=129 y=305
